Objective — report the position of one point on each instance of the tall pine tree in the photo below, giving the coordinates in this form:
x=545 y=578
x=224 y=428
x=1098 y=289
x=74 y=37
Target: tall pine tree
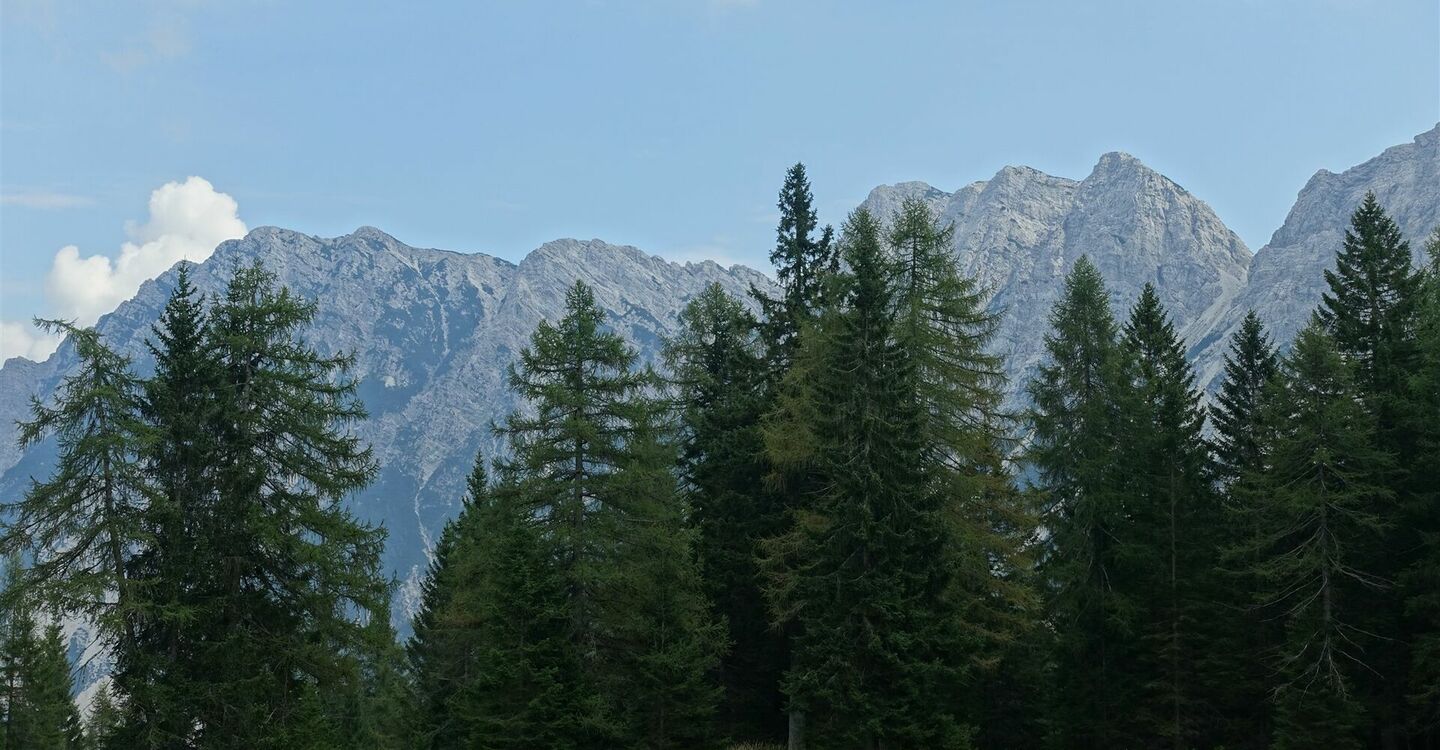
x=179 y=408
x=879 y=658
x=1323 y=497
x=591 y=470
x=1370 y=310
x=1249 y=633
x=1088 y=564
x=802 y=261
x=78 y=527
x=290 y=576
x=1421 y=581
x=439 y=649
x=946 y=331
x=717 y=374
x=1250 y=364
x=1174 y=517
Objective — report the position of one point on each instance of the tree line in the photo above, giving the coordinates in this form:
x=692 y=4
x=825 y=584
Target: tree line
x=819 y=526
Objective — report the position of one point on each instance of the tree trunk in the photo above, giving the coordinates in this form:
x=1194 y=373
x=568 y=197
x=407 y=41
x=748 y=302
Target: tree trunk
x=797 y=731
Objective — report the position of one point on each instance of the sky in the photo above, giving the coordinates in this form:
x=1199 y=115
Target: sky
x=133 y=134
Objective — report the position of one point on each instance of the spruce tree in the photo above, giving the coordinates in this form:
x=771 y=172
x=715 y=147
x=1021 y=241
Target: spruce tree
x=1370 y=310
x=717 y=376
x=1249 y=634
x=1250 y=364
x=36 y=710
x=1370 y=305
x=518 y=679
x=1322 y=500
x=1174 y=518
x=289 y=575
x=1088 y=564
x=667 y=640
x=1421 y=581
x=802 y=261
x=178 y=406
x=879 y=658
x=437 y=649
x=103 y=726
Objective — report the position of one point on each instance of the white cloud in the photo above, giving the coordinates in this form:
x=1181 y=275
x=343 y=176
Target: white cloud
x=24 y=340
x=187 y=220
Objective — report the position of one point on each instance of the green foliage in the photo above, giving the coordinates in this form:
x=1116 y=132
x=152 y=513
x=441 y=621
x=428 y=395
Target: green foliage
x=717 y=376
x=1422 y=579
x=438 y=651
x=1370 y=309
x=1088 y=563
x=1250 y=364
x=77 y=526
x=1323 y=508
x=35 y=685
x=802 y=263
x=1174 y=518
x=103 y=726
x=595 y=474
x=1248 y=634
x=946 y=332
x=879 y=658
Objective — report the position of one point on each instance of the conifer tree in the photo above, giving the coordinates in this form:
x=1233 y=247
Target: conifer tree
x=1422 y=580
x=579 y=454
x=946 y=332
x=1088 y=564
x=78 y=526
x=1370 y=311
x=1174 y=518
x=717 y=375
x=438 y=649
x=103 y=726
x=290 y=575
x=1370 y=306
x=878 y=660
x=1249 y=366
x=801 y=261
x=35 y=684
x=1249 y=634
x=1322 y=500
x=178 y=406
x=518 y=682
x=667 y=641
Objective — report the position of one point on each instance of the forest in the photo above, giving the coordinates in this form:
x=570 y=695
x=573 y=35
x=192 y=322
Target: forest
x=816 y=524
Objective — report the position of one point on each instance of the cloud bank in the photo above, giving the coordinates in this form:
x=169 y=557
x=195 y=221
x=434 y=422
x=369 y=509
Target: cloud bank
x=187 y=220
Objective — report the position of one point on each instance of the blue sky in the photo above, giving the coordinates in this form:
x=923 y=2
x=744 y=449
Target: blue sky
x=495 y=126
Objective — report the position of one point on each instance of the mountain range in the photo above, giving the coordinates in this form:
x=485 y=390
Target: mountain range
x=433 y=331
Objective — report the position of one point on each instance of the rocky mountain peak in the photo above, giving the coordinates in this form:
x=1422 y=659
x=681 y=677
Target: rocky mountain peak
x=1287 y=275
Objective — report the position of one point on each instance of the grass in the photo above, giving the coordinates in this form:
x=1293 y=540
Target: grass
x=756 y=746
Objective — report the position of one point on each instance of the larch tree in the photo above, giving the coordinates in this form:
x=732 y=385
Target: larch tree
x=598 y=479
x=946 y=331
